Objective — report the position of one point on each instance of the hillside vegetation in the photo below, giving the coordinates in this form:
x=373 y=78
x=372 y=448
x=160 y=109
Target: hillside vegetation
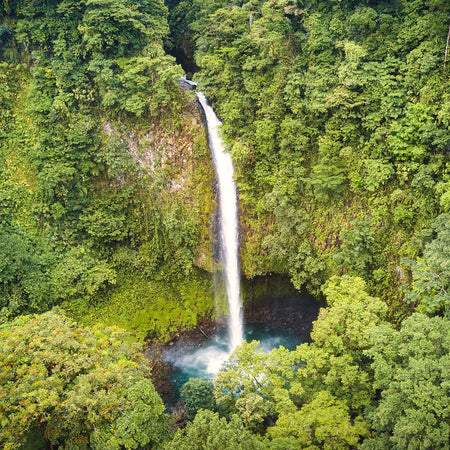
x=106 y=174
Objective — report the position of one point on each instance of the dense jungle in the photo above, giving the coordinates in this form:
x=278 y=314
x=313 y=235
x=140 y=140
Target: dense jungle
x=337 y=116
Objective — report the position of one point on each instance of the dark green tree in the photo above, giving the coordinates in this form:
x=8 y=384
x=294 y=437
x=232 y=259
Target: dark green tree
x=210 y=432
x=412 y=376
x=431 y=273
x=198 y=393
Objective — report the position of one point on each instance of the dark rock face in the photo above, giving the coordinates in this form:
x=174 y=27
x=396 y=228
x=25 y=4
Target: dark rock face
x=184 y=56
x=295 y=313
x=273 y=300
x=186 y=84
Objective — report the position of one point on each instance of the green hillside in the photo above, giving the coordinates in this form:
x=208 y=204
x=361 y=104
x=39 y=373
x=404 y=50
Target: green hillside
x=106 y=174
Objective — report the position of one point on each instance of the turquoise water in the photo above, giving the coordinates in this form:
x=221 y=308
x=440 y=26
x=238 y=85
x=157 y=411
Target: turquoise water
x=285 y=321
x=205 y=361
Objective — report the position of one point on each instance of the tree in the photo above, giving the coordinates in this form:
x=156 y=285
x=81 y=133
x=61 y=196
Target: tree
x=78 y=274
x=72 y=186
x=22 y=275
x=331 y=385
x=412 y=374
x=328 y=179
x=122 y=27
x=353 y=94
x=357 y=246
x=210 y=432
x=335 y=360
x=251 y=372
x=431 y=274
x=82 y=387
x=198 y=393
x=321 y=384
x=325 y=422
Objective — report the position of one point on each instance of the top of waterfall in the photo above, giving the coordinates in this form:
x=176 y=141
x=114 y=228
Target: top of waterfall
x=188 y=83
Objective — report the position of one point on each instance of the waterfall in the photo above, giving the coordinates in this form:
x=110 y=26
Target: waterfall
x=207 y=360
x=229 y=228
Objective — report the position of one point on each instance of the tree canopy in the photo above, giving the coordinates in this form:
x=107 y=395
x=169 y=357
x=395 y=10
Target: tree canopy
x=411 y=373
x=335 y=114
x=83 y=388
x=91 y=140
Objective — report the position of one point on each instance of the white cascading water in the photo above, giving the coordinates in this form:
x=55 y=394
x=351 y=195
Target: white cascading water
x=229 y=228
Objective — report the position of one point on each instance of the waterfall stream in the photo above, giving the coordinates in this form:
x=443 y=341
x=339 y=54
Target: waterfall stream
x=288 y=328
x=212 y=357
x=229 y=227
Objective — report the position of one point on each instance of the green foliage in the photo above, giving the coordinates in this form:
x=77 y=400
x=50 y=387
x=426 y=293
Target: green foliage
x=431 y=275
x=210 y=432
x=254 y=411
x=337 y=116
x=121 y=27
x=411 y=372
x=323 y=423
x=316 y=394
x=198 y=393
x=137 y=85
x=304 y=266
x=357 y=247
x=336 y=360
x=327 y=180
x=250 y=372
x=147 y=308
x=84 y=388
x=78 y=274
x=91 y=114
x=22 y=274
